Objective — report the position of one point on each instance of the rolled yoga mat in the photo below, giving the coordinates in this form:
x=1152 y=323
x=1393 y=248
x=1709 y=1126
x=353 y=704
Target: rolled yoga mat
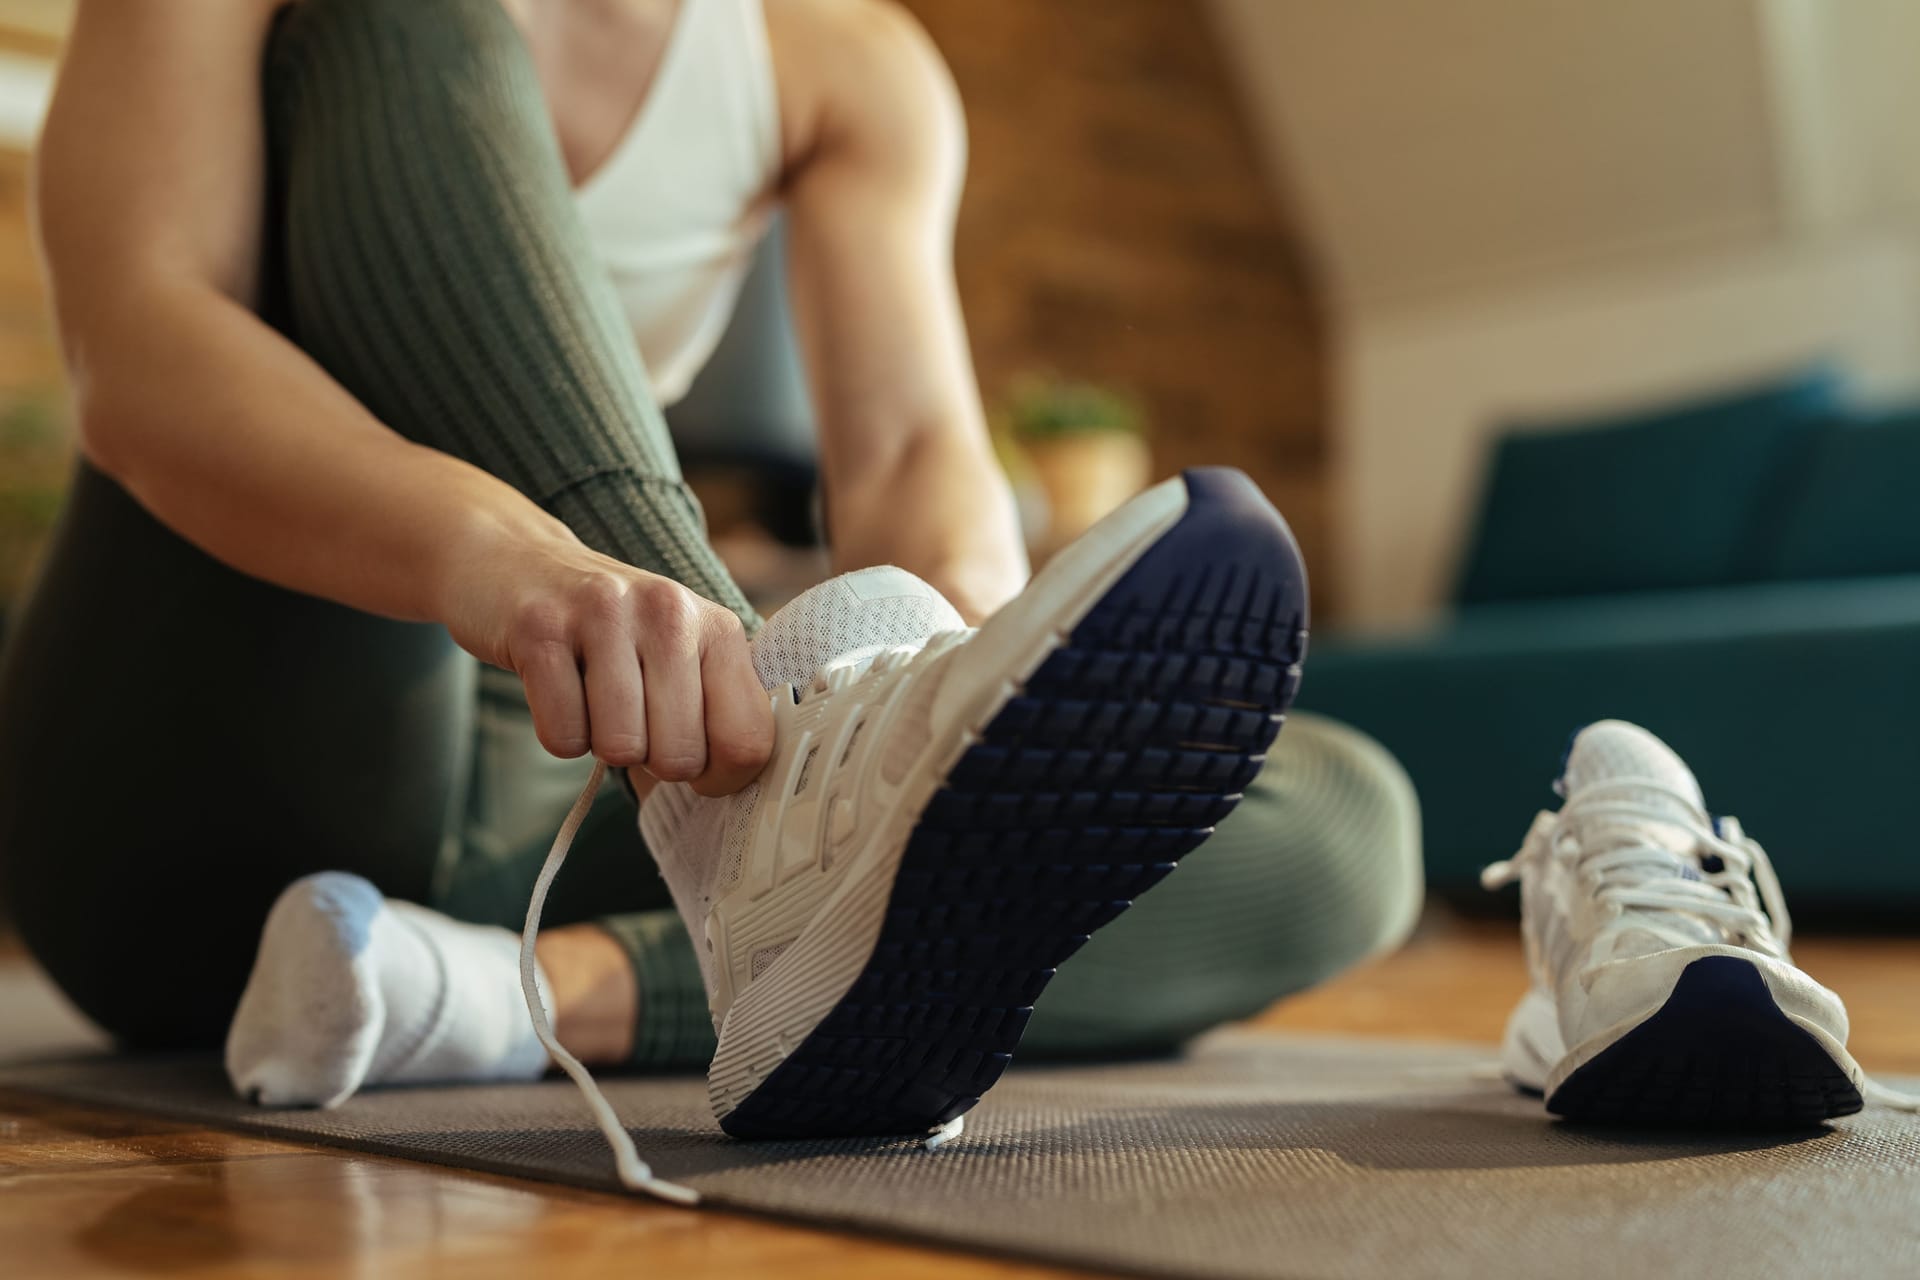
x=1253 y=1155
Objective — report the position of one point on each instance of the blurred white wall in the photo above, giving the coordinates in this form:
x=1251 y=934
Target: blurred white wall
x=26 y=86
x=1531 y=207
x=1850 y=100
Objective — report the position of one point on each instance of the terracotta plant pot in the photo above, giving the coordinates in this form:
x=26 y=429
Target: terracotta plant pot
x=1085 y=475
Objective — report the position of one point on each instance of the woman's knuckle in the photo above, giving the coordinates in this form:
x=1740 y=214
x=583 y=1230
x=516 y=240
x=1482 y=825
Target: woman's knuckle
x=621 y=749
x=567 y=744
x=671 y=611
x=604 y=598
x=742 y=751
x=676 y=765
x=537 y=623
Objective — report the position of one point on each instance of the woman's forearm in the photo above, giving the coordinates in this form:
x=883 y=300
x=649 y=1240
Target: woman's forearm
x=941 y=508
x=244 y=446
x=238 y=441
x=150 y=185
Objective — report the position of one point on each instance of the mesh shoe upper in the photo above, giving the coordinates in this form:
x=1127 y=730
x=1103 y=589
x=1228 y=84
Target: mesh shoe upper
x=825 y=638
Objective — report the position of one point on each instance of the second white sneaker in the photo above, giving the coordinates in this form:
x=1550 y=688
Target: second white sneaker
x=1662 y=990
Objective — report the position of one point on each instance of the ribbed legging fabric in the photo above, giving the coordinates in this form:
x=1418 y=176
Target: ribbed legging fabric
x=436 y=266
x=1317 y=869
x=423 y=246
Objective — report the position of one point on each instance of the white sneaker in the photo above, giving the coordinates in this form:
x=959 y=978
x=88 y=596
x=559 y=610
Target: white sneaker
x=1656 y=936
x=949 y=814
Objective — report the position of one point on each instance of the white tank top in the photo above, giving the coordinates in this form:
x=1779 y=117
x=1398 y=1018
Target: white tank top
x=676 y=211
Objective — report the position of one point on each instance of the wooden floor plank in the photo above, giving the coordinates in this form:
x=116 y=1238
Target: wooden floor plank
x=85 y=1191
x=1460 y=979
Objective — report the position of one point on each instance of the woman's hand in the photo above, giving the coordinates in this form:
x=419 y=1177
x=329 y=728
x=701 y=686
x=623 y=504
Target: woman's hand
x=625 y=663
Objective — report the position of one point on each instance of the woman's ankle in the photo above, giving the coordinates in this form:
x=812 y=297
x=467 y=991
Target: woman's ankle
x=596 y=998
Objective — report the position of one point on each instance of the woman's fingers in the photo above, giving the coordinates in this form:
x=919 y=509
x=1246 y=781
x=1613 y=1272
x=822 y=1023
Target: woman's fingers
x=669 y=625
x=557 y=699
x=616 y=696
x=738 y=715
x=645 y=674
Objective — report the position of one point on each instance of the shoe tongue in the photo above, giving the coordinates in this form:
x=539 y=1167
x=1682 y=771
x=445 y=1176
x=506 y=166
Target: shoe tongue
x=847 y=620
x=1621 y=754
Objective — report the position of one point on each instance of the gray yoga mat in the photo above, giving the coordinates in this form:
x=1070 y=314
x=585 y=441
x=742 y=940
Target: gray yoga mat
x=1254 y=1155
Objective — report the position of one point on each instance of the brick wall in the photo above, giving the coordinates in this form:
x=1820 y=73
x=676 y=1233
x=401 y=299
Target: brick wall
x=1116 y=227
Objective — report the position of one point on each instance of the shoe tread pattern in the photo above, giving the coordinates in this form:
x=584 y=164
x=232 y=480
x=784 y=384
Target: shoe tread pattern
x=1718 y=1055
x=1124 y=748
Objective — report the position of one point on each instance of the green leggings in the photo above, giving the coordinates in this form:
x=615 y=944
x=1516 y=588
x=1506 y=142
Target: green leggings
x=423 y=247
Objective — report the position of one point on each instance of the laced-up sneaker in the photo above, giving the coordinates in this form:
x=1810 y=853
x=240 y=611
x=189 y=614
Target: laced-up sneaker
x=948 y=815
x=1656 y=937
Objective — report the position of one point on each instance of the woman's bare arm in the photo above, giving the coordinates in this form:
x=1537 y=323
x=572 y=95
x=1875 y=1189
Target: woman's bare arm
x=149 y=198
x=910 y=477
x=149 y=195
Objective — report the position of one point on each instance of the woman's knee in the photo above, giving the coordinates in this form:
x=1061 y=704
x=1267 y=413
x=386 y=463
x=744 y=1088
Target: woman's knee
x=1341 y=814
x=1317 y=870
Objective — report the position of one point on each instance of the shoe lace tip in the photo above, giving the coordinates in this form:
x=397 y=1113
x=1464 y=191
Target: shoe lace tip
x=941 y=1134
x=661 y=1189
x=1875 y=1094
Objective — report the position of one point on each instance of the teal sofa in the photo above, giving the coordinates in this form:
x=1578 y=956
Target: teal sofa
x=1742 y=577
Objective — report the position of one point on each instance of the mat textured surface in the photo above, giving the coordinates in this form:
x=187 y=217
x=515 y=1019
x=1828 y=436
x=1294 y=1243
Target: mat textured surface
x=1255 y=1155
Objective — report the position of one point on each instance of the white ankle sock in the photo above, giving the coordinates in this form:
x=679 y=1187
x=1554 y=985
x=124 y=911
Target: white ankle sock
x=351 y=989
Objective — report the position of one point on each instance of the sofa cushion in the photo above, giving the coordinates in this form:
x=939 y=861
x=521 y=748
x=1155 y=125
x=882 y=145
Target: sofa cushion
x=1655 y=500
x=1734 y=677
x=1856 y=514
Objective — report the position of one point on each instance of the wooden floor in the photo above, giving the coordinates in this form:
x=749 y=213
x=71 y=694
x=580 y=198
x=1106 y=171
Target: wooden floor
x=89 y=1192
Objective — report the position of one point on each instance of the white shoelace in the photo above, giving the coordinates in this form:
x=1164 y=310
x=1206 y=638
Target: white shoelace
x=1650 y=877
x=1742 y=897
x=635 y=1174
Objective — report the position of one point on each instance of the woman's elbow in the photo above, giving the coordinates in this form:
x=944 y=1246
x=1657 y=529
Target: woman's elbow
x=104 y=424
x=101 y=432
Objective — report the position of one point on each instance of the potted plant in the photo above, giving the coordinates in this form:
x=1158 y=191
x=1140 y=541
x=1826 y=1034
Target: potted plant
x=35 y=455
x=1084 y=445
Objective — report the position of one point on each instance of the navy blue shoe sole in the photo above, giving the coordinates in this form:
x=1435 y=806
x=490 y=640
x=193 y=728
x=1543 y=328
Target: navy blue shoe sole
x=1124 y=748
x=1718 y=1055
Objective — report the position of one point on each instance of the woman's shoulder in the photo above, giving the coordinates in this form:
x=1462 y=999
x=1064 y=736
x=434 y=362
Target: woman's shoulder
x=853 y=66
